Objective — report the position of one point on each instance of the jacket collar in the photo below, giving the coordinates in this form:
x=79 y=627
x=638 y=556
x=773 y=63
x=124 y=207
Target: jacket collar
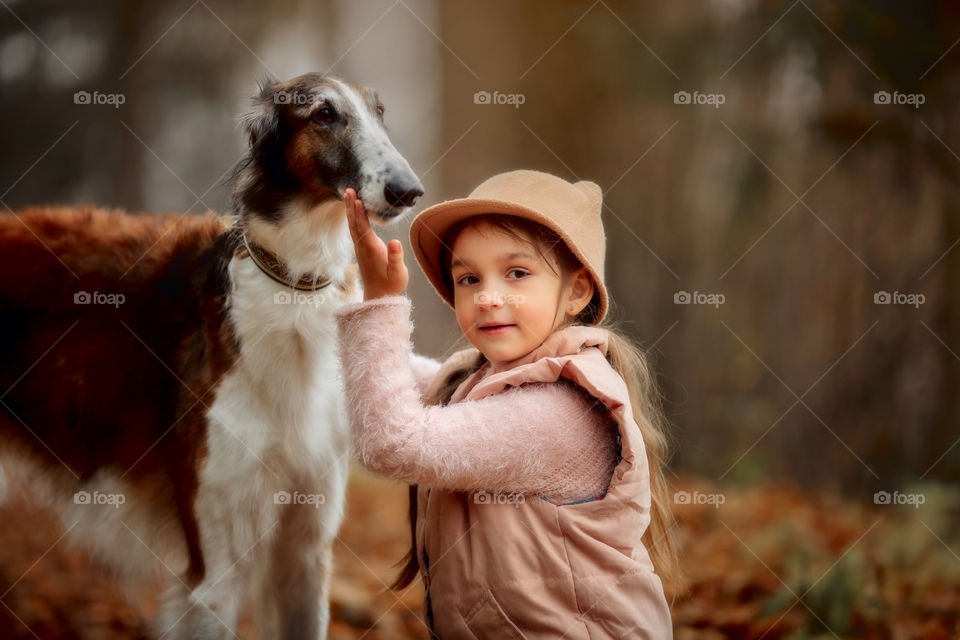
x=565 y=342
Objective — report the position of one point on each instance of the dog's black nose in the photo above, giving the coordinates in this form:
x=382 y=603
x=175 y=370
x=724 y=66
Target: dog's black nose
x=399 y=194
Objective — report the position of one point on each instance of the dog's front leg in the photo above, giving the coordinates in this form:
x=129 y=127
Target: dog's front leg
x=207 y=612
x=294 y=602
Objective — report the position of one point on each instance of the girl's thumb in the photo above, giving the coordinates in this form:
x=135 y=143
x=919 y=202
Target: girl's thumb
x=395 y=254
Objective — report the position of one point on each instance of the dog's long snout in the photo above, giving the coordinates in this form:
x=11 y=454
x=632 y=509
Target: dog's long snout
x=402 y=193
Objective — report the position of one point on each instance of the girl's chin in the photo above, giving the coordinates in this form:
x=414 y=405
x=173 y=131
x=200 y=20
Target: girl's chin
x=499 y=350
x=499 y=357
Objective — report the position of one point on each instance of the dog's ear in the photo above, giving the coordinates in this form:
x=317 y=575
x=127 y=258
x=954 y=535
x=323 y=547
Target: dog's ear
x=263 y=121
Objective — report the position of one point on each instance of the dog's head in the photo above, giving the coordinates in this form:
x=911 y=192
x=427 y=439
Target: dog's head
x=318 y=135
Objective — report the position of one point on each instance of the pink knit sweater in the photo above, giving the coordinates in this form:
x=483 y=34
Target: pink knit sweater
x=543 y=439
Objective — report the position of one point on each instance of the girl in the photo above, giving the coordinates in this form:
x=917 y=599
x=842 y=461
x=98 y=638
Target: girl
x=540 y=508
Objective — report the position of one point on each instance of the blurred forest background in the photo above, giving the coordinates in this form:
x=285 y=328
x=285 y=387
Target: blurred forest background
x=795 y=164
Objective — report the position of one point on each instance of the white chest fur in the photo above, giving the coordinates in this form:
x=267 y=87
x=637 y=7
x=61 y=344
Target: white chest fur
x=278 y=425
x=284 y=395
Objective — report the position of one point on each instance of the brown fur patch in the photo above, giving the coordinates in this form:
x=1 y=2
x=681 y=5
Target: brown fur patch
x=113 y=339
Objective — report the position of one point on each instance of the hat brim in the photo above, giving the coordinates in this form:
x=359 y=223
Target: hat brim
x=430 y=227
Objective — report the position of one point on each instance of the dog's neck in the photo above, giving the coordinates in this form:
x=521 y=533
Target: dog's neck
x=310 y=239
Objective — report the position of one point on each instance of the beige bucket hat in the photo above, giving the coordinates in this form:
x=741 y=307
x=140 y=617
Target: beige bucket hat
x=571 y=210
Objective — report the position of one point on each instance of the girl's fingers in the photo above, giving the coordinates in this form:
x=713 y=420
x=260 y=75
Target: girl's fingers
x=357 y=219
x=349 y=198
x=394 y=254
x=396 y=269
x=368 y=246
x=361 y=219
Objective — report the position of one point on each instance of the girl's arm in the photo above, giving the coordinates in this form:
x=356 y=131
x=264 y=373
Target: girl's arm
x=545 y=439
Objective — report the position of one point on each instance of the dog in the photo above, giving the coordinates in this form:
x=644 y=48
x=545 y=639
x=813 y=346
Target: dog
x=170 y=383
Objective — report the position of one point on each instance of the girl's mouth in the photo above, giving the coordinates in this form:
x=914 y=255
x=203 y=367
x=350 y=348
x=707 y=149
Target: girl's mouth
x=495 y=329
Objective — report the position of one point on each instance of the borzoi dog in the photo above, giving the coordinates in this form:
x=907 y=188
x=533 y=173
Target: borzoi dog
x=170 y=383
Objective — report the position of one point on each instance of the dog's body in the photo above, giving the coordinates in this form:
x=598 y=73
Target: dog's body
x=181 y=406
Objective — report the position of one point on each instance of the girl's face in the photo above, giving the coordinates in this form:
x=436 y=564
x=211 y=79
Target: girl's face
x=508 y=300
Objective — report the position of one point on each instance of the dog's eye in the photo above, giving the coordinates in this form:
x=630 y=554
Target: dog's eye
x=325 y=115
x=380 y=110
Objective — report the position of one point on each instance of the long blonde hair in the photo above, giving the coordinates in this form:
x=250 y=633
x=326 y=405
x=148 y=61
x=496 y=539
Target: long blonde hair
x=626 y=358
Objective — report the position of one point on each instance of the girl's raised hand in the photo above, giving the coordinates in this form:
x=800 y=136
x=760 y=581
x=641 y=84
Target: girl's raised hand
x=381 y=266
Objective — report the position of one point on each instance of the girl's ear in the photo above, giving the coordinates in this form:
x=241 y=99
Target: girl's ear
x=581 y=291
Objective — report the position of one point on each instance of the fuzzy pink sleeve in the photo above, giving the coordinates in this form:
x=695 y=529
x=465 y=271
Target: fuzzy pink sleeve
x=544 y=438
x=424 y=369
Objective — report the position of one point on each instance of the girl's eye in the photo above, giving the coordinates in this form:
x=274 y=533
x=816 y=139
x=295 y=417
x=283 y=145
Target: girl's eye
x=522 y=272
x=464 y=279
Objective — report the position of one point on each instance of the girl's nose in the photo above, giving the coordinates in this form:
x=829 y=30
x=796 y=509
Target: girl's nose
x=488 y=299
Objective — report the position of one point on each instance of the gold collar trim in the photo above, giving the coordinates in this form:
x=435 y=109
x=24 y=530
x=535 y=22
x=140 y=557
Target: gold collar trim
x=277 y=270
